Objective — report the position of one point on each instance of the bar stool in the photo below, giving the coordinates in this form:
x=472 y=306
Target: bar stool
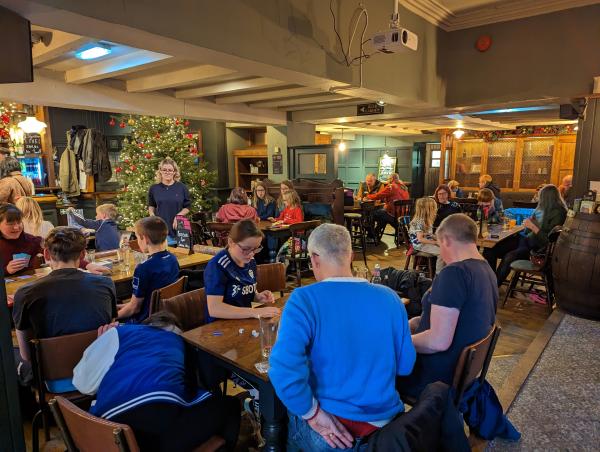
x=356 y=228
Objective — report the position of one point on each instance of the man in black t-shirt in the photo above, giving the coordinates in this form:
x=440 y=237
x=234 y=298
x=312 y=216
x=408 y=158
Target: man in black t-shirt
x=67 y=301
x=459 y=310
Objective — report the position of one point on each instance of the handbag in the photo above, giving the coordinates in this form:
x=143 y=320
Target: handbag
x=537 y=258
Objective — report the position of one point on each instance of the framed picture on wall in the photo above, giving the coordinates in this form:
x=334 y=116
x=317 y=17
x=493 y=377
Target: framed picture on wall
x=387 y=166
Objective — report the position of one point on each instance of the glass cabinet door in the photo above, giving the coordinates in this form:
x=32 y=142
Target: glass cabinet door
x=468 y=162
x=501 y=162
x=537 y=162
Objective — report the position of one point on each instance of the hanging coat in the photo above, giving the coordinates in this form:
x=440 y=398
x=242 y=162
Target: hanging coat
x=67 y=173
x=94 y=155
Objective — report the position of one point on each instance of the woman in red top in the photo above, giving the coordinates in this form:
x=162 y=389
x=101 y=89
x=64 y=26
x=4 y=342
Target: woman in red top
x=292 y=213
x=394 y=191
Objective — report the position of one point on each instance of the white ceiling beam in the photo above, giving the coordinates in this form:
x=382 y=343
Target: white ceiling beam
x=228 y=87
x=266 y=95
x=62 y=43
x=299 y=101
x=352 y=101
x=113 y=67
x=175 y=79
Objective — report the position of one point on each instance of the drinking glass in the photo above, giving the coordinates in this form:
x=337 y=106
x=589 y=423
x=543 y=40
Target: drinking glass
x=361 y=272
x=125 y=253
x=268 y=335
x=91 y=256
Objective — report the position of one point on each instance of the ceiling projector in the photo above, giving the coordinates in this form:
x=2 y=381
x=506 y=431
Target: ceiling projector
x=395 y=40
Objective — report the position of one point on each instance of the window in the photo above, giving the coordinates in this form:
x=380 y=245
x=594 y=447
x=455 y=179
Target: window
x=436 y=155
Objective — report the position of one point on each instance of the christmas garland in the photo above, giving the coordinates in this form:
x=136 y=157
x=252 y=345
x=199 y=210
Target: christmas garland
x=496 y=135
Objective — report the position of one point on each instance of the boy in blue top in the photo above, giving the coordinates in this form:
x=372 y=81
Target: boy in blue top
x=341 y=344
x=107 y=234
x=160 y=270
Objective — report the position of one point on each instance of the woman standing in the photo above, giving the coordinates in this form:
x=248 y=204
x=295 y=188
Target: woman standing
x=446 y=207
x=230 y=276
x=13 y=185
x=262 y=201
x=168 y=197
x=33 y=219
x=550 y=212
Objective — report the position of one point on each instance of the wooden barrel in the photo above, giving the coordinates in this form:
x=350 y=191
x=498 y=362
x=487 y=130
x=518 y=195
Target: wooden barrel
x=576 y=266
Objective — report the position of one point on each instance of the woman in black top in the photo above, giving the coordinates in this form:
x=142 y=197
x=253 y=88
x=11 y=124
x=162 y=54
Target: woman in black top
x=445 y=206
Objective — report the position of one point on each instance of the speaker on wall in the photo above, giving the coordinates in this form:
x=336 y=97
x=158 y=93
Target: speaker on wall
x=17 y=66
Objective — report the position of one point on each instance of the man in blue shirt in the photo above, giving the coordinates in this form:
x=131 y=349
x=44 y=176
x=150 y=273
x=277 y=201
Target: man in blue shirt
x=340 y=346
x=160 y=270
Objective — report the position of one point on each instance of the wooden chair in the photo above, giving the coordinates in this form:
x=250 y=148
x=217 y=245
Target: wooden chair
x=177 y=288
x=403 y=212
x=189 y=308
x=473 y=363
x=219 y=233
x=355 y=223
x=533 y=274
x=299 y=254
x=84 y=432
x=54 y=359
x=271 y=277
x=367 y=208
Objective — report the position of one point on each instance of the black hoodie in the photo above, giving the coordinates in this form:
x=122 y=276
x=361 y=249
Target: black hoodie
x=495 y=189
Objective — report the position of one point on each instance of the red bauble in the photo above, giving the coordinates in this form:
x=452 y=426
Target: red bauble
x=148 y=156
x=194 y=151
x=122 y=124
x=132 y=168
x=4 y=133
x=112 y=122
x=177 y=122
x=118 y=169
x=5 y=118
x=190 y=136
x=141 y=145
x=126 y=161
x=157 y=135
x=186 y=123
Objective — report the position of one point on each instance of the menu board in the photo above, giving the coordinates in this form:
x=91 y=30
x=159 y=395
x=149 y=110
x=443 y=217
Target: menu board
x=387 y=166
x=184 y=233
x=32 y=143
x=277 y=164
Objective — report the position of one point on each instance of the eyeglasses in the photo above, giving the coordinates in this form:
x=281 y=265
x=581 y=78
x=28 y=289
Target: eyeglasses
x=167 y=170
x=248 y=251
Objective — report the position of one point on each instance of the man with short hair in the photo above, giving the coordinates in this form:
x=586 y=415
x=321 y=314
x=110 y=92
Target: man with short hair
x=341 y=343
x=566 y=188
x=67 y=300
x=370 y=186
x=459 y=310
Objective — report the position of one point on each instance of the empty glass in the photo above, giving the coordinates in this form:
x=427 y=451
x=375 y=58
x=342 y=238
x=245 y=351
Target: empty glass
x=268 y=335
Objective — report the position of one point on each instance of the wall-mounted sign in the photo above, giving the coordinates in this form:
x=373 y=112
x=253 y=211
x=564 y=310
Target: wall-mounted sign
x=32 y=143
x=387 y=166
x=369 y=109
x=277 y=164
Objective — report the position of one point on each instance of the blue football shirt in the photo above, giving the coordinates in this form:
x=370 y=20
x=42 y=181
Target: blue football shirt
x=160 y=270
x=236 y=284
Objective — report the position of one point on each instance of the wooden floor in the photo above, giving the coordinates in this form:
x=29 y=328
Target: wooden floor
x=521 y=321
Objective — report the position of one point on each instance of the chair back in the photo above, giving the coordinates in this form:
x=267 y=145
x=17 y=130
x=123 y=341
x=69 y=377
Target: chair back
x=219 y=232
x=473 y=362
x=402 y=227
x=189 y=308
x=552 y=239
x=270 y=277
x=300 y=233
x=404 y=207
x=176 y=288
x=82 y=431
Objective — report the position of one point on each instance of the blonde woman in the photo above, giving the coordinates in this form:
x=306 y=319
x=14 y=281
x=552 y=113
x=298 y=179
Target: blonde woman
x=420 y=232
x=262 y=201
x=33 y=219
x=284 y=187
x=168 y=197
x=455 y=190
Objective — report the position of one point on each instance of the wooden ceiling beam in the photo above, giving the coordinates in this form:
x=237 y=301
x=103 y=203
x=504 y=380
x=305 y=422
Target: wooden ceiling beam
x=175 y=79
x=228 y=87
x=266 y=95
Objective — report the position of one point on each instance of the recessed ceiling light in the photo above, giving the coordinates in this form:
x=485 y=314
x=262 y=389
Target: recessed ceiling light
x=381 y=102
x=94 y=52
x=458 y=133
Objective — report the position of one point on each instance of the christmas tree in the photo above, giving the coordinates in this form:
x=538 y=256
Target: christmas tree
x=152 y=140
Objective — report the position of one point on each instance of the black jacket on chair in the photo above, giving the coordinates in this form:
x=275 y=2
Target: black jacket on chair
x=433 y=424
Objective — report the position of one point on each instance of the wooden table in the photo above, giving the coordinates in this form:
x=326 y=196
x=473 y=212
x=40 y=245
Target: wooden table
x=489 y=242
x=238 y=353
x=119 y=273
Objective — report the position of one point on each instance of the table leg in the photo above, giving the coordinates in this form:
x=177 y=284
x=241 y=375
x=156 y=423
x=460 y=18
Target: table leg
x=274 y=423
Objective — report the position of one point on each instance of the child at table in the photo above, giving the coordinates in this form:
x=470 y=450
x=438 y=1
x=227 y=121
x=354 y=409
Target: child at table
x=291 y=214
x=160 y=270
x=107 y=234
x=420 y=231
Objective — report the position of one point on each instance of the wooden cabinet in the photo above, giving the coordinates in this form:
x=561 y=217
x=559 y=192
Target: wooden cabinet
x=250 y=165
x=515 y=164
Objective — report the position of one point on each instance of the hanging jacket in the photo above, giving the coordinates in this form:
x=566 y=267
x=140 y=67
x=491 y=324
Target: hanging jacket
x=89 y=146
x=484 y=415
x=409 y=284
x=433 y=424
x=67 y=173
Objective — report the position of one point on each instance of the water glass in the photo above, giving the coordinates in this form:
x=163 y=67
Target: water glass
x=91 y=256
x=268 y=335
x=126 y=257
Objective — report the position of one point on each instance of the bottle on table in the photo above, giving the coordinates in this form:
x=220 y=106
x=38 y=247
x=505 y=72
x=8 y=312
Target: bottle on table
x=376 y=278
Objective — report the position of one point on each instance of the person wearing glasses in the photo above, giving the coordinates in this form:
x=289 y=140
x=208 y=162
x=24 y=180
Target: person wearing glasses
x=169 y=197
x=230 y=277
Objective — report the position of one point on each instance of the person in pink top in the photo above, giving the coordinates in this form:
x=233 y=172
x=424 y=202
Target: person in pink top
x=394 y=190
x=237 y=208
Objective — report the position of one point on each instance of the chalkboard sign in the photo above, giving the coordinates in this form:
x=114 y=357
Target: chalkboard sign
x=184 y=234
x=277 y=164
x=32 y=143
x=387 y=166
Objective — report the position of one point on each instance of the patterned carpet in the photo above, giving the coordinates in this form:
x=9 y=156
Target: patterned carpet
x=558 y=408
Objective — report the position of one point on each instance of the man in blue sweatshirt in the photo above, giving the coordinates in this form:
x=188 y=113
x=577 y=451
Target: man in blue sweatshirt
x=341 y=344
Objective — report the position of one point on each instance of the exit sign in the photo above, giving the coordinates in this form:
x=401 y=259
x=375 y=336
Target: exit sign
x=369 y=109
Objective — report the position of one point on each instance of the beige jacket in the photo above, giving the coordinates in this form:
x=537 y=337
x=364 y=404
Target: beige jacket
x=13 y=187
